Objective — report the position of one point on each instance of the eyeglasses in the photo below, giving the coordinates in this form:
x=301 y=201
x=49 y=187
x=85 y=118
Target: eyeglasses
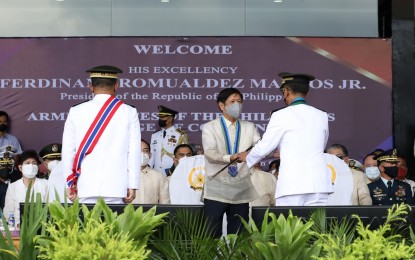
x=340 y=156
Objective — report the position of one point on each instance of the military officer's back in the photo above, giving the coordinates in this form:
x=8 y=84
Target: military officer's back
x=387 y=190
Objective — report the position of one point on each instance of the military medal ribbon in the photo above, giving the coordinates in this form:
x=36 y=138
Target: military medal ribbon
x=91 y=138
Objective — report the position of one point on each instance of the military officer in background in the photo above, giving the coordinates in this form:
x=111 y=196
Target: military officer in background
x=52 y=155
x=165 y=141
x=387 y=190
x=6 y=168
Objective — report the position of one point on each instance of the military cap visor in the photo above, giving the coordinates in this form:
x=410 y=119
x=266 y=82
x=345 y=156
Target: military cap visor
x=388 y=156
x=165 y=111
x=51 y=152
x=295 y=78
x=4 y=162
x=104 y=71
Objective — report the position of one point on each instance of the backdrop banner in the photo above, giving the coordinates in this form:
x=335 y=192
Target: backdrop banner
x=41 y=78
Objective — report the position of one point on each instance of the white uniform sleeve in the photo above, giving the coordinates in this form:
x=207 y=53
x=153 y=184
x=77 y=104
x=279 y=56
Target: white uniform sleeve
x=270 y=140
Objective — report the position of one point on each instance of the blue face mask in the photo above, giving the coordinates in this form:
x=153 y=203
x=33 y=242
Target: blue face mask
x=372 y=172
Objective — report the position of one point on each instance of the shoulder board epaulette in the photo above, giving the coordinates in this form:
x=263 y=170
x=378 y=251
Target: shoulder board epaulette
x=180 y=131
x=80 y=103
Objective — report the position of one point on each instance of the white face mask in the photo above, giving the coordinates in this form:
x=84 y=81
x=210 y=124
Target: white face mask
x=372 y=172
x=144 y=159
x=29 y=170
x=234 y=110
x=52 y=164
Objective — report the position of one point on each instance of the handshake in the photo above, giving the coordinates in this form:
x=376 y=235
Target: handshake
x=239 y=157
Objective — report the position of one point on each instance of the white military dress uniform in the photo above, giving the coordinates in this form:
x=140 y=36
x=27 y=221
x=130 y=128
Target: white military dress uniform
x=300 y=133
x=112 y=167
x=162 y=147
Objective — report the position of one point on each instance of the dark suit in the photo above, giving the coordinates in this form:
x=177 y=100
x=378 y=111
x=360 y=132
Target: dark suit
x=399 y=193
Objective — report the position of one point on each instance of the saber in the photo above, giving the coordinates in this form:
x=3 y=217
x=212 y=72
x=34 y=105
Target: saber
x=233 y=161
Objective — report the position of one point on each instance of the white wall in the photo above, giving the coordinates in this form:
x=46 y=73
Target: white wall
x=77 y=18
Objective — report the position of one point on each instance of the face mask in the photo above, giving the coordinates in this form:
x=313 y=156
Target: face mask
x=372 y=172
x=52 y=164
x=3 y=128
x=162 y=123
x=273 y=171
x=391 y=171
x=402 y=173
x=234 y=110
x=144 y=159
x=30 y=170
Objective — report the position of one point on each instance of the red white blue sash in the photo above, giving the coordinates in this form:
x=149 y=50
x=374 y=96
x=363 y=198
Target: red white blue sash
x=91 y=138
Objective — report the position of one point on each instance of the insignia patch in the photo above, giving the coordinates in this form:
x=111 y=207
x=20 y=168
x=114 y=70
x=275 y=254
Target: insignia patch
x=55 y=148
x=196 y=178
x=172 y=139
x=377 y=191
x=400 y=192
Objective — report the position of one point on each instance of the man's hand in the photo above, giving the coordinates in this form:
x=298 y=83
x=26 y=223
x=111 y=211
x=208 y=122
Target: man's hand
x=71 y=194
x=130 y=196
x=242 y=156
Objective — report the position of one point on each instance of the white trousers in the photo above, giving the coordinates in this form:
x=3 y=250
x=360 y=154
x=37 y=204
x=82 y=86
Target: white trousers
x=309 y=199
x=108 y=200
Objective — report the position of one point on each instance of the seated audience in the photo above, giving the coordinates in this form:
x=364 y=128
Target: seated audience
x=8 y=142
x=6 y=168
x=403 y=172
x=360 y=195
x=371 y=168
x=28 y=164
x=387 y=190
x=153 y=185
x=182 y=150
x=265 y=185
x=274 y=167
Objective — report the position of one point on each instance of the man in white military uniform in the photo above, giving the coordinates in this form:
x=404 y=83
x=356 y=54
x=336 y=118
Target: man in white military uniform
x=165 y=141
x=52 y=155
x=101 y=142
x=154 y=187
x=300 y=133
x=227 y=190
